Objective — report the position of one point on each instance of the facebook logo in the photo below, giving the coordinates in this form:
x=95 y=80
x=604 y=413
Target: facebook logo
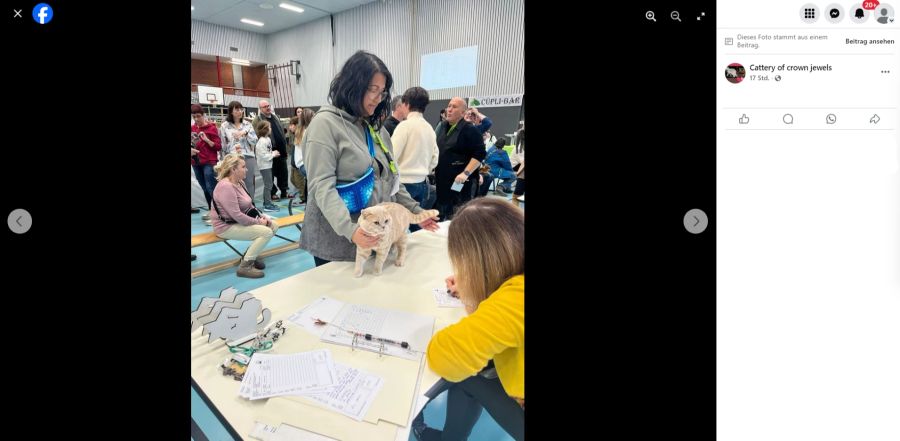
x=42 y=13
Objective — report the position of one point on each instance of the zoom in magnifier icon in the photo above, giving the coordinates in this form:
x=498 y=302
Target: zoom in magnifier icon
x=650 y=15
x=675 y=16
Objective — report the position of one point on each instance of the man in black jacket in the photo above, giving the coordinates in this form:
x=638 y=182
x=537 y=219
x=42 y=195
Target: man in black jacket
x=461 y=153
x=279 y=164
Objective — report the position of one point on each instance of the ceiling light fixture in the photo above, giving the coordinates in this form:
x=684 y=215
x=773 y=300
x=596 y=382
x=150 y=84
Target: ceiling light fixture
x=252 y=22
x=291 y=7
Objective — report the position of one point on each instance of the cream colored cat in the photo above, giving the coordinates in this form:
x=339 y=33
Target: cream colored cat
x=389 y=221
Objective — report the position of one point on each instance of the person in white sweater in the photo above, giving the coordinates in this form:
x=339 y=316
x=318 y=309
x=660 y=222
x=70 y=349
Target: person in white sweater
x=264 y=156
x=415 y=147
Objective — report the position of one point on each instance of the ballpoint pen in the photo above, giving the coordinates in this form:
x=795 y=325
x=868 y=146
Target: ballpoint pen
x=368 y=337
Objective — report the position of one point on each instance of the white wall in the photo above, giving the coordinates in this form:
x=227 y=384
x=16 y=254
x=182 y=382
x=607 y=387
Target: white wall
x=399 y=32
x=212 y=39
x=311 y=44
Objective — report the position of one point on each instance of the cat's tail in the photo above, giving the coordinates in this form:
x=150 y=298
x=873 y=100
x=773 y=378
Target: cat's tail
x=425 y=214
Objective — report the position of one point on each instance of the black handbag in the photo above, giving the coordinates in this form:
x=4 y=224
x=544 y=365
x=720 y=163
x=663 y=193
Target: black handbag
x=252 y=211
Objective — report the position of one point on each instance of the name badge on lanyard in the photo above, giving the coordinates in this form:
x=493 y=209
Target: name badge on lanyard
x=395 y=185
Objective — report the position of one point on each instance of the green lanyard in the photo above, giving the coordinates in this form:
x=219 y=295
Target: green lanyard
x=451 y=129
x=383 y=148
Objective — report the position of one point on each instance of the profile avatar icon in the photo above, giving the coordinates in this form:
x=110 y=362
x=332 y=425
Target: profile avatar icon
x=885 y=14
x=735 y=73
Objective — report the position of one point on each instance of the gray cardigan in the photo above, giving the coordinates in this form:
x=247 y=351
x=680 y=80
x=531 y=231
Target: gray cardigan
x=336 y=152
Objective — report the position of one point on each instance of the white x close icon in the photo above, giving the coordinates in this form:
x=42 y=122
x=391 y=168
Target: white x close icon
x=18 y=13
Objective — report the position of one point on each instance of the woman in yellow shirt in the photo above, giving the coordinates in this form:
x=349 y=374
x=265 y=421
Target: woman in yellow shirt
x=482 y=358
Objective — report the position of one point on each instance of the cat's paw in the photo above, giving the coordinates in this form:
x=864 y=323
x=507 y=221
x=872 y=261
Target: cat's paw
x=398 y=263
x=376 y=272
x=358 y=273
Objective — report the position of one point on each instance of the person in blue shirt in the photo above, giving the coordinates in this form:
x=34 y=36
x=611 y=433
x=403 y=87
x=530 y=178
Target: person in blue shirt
x=498 y=160
x=478 y=119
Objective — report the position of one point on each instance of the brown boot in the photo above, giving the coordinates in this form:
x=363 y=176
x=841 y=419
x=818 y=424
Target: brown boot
x=258 y=264
x=246 y=269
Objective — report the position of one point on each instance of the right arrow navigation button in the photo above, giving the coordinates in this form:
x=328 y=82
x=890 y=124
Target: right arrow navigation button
x=695 y=221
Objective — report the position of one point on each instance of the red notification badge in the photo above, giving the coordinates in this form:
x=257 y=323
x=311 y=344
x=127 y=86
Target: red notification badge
x=870 y=4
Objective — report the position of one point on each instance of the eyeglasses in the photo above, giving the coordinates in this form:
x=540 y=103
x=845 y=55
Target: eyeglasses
x=265 y=107
x=374 y=91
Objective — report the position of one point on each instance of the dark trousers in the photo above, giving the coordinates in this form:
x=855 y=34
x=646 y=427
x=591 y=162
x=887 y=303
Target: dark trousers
x=487 y=179
x=465 y=400
x=280 y=172
x=449 y=200
x=520 y=187
x=419 y=192
x=206 y=176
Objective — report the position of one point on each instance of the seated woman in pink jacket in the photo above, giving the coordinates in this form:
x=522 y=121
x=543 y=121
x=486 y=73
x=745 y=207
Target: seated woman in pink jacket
x=234 y=216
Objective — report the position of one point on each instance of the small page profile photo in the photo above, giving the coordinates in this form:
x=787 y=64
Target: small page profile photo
x=735 y=73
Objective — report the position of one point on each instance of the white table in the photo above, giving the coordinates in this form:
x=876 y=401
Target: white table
x=407 y=288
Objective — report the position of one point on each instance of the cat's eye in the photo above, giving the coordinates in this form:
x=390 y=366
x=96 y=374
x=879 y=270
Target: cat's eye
x=376 y=223
x=387 y=220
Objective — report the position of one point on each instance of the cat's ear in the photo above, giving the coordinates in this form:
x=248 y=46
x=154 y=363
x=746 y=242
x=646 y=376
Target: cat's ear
x=366 y=215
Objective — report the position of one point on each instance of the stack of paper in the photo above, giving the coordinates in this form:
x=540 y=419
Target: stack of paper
x=353 y=393
x=313 y=375
x=399 y=326
x=324 y=308
x=270 y=375
x=345 y=319
x=286 y=432
x=445 y=300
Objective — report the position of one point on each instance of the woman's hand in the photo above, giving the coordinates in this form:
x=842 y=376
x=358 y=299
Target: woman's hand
x=429 y=224
x=453 y=290
x=276 y=154
x=451 y=286
x=460 y=178
x=363 y=239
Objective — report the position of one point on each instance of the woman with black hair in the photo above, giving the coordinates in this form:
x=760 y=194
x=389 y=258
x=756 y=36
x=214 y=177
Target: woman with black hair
x=349 y=162
x=238 y=136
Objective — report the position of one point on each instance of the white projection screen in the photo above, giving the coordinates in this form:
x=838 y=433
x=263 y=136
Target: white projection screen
x=453 y=68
